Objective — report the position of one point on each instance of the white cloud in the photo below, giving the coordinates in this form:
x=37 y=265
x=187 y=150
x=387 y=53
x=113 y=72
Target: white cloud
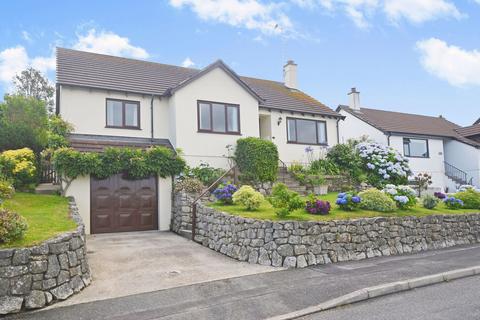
x=15 y=59
x=451 y=63
x=188 y=63
x=107 y=42
x=418 y=11
x=361 y=11
x=268 y=18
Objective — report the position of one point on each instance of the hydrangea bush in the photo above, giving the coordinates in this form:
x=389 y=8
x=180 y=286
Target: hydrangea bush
x=348 y=201
x=224 y=193
x=383 y=165
x=405 y=197
x=317 y=206
x=453 y=203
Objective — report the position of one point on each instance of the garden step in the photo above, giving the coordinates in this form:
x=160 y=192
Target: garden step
x=47 y=188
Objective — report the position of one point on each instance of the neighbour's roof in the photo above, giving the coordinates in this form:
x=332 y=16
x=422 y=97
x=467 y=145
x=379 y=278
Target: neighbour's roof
x=92 y=70
x=469 y=131
x=97 y=143
x=407 y=123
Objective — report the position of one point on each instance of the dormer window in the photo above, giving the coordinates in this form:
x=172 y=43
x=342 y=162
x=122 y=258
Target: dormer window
x=123 y=114
x=217 y=117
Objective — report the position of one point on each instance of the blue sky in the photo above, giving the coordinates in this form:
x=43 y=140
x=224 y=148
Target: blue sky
x=418 y=56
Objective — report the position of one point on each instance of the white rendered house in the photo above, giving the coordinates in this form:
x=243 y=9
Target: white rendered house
x=433 y=144
x=113 y=101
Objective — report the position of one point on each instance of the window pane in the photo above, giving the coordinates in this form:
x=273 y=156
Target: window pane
x=291 y=130
x=406 y=149
x=232 y=119
x=218 y=117
x=114 y=113
x=131 y=114
x=205 y=117
x=306 y=131
x=322 y=132
x=418 y=148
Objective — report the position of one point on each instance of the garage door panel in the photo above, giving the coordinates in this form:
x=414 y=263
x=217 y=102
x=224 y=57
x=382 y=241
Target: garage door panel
x=120 y=205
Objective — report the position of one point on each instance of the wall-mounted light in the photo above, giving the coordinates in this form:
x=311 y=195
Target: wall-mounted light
x=279 y=121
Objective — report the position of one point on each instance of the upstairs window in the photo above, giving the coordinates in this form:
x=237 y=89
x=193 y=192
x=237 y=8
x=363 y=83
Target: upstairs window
x=218 y=117
x=415 y=148
x=123 y=114
x=303 y=131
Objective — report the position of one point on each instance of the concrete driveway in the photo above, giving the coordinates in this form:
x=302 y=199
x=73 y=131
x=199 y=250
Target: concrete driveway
x=123 y=264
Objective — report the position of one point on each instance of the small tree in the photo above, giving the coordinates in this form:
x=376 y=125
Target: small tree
x=23 y=123
x=423 y=180
x=31 y=83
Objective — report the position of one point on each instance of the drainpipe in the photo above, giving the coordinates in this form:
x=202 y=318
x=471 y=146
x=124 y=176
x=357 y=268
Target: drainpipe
x=151 y=116
x=388 y=138
x=338 y=131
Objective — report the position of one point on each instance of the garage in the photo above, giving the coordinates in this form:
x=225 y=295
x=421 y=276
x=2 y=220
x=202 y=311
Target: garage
x=122 y=205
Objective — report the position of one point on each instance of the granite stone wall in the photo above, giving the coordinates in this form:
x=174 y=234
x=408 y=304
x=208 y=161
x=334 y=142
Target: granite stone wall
x=296 y=244
x=34 y=277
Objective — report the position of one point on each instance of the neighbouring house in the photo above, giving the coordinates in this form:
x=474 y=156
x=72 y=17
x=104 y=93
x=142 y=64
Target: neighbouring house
x=113 y=101
x=433 y=144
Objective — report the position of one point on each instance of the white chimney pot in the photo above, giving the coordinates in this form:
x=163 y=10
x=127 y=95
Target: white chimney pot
x=290 y=75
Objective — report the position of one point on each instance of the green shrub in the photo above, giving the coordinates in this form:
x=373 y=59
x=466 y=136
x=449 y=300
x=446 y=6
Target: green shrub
x=6 y=190
x=284 y=200
x=324 y=166
x=248 y=197
x=19 y=165
x=376 y=200
x=470 y=198
x=12 y=226
x=189 y=185
x=347 y=159
x=429 y=201
x=205 y=173
x=257 y=159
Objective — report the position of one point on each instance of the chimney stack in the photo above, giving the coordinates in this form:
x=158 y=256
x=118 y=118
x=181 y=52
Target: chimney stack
x=354 y=99
x=290 y=74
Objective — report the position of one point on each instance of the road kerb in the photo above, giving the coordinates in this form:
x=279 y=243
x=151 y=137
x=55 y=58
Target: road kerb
x=381 y=290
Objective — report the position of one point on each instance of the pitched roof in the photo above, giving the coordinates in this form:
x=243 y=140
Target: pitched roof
x=469 y=131
x=92 y=70
x=407 y=123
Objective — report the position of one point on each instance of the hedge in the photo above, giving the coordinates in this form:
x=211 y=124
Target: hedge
x=257 y=160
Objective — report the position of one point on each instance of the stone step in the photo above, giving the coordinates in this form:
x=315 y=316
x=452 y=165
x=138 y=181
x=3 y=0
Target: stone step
x=47 y=188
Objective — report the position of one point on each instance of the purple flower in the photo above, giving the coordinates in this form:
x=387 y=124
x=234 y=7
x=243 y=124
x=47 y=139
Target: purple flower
x=308 y=149
x=356 y=199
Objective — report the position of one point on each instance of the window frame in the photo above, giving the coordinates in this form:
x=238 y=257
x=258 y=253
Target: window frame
x=409 y=151
x=226 y=105
x=316 y=132
x=124 y=102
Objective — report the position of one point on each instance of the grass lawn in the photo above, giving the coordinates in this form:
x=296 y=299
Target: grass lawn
x=47 y=216
x=266 y=211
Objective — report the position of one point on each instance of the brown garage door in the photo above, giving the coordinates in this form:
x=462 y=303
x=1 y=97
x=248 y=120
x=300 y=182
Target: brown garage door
x=120 y=205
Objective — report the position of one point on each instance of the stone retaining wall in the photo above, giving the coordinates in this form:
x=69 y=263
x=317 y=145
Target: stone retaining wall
x=300 y=244
x=32 y=278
